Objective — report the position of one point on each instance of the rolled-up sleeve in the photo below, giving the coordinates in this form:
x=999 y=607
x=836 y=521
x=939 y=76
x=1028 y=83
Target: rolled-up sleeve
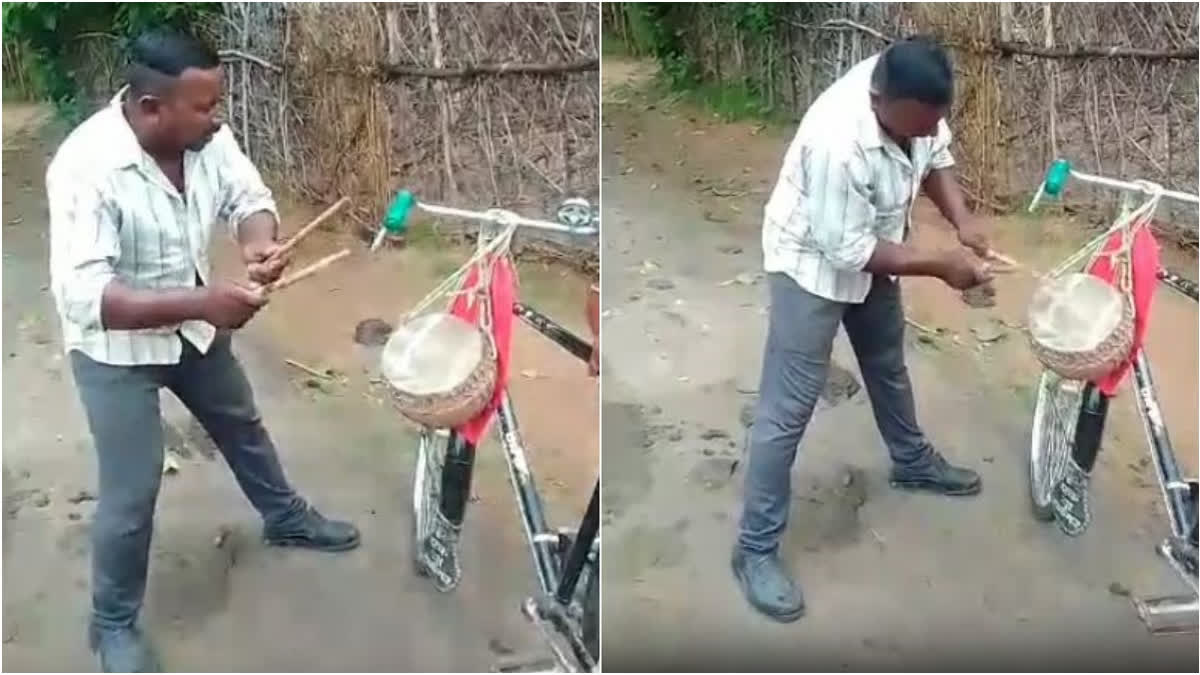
x=85 y=246
x=840 y=214
x=941 y=157
x=243 y=192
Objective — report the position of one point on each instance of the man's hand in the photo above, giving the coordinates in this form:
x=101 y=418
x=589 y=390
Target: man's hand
x=973 y=235
x=960 y=270
x=228 y=305
x=262 y=268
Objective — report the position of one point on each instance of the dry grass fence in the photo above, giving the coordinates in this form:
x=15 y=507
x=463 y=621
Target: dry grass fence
x=475 y=104
x=1110 y=86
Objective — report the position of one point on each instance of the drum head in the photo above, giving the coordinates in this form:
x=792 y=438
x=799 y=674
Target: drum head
x=1074 y=313
x=432 y=354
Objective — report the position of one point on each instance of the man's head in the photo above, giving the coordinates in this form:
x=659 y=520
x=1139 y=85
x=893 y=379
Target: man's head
x=912 y=87
x=175 y=88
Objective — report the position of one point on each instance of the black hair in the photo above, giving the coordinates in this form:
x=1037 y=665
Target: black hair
x=156 y=58
x=915 y=68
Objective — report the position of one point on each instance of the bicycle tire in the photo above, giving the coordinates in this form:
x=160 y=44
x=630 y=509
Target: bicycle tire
x=590 y=623
x=1052 y=438
x=426 y=491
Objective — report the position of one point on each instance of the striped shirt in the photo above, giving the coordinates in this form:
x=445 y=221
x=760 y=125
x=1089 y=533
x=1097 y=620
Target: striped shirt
x=114 y=214
x=844 y=186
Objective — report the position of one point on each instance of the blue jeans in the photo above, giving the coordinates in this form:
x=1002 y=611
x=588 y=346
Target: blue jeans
x=122 y=407
x=795 y=364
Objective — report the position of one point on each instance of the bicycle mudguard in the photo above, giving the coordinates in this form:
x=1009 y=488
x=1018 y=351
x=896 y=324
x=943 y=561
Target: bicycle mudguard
x=1144 y=256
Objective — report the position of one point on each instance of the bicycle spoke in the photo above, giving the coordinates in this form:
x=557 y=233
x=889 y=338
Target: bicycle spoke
x=1059 y=403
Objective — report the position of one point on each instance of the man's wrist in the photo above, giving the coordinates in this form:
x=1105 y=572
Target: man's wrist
x=258 y=229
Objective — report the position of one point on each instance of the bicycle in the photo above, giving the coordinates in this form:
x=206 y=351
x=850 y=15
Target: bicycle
x=1068 y=422
x=566 y=563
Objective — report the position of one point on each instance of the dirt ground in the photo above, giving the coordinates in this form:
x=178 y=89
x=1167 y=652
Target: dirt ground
x=893 y=580
x=241 y=606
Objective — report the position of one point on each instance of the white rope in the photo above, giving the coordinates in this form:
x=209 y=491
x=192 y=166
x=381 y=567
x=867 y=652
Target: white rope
x=1129 y=224
x=485 y=252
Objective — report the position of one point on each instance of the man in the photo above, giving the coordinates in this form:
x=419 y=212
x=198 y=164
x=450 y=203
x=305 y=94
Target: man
x=834 y=245
x=134 y=192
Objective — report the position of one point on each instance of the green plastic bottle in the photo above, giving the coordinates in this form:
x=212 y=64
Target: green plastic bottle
x=1056 y=177
x=396 y=219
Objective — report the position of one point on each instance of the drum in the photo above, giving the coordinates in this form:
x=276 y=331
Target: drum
x=1080 y=326
x=441 y=369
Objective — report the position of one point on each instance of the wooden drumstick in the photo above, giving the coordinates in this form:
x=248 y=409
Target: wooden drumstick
x=309 y=228
x=307 y=271
x=1008 y=264
x=1001 y=258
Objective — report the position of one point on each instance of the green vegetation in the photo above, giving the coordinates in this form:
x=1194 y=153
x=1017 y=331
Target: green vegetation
x=665 y=32
x=46 y=37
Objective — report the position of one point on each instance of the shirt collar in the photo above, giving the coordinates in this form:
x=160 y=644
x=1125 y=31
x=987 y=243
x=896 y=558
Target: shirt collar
x=127 y=151
x=869 y=134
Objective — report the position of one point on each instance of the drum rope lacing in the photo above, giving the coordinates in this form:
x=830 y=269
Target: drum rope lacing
x=487 y=252
x=1128 y=225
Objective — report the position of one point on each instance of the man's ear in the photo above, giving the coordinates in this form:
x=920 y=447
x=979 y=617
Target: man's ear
x=149 y=104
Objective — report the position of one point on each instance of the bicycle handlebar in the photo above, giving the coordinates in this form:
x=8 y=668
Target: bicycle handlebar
x=1060 y=171
x=504 y=218
x=1133 y=187
x=575 y=217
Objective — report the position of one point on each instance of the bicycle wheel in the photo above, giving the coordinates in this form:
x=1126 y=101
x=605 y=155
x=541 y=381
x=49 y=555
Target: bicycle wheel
x=427 y=482
x=590 y=622
x=1052 y=438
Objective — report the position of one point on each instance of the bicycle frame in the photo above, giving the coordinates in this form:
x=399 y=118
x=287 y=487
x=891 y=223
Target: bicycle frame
x=1165 y=614
x=559 y=557
x=1168 y=614
x=558 y=567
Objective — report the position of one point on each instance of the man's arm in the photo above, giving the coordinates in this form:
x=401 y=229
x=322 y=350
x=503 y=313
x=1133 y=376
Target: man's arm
x=838 y=207
x=905 y=261
x=87 y=246
x=942 y=188
x=842 y=220
x=249 y=209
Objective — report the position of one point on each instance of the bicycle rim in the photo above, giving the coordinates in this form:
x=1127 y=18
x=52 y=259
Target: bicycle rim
x=1053 y=436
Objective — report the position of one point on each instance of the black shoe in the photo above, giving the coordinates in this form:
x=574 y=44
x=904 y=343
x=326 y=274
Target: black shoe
x=314 y=531
x=1070 y=501
x=123 y=650
x=935 y=474
x=767 y=585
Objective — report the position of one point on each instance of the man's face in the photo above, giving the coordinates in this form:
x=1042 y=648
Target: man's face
x=905 y=119
x=188 y=115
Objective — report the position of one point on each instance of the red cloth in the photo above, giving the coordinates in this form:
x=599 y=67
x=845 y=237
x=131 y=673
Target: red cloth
x=466 y=306
x=1144 y=255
